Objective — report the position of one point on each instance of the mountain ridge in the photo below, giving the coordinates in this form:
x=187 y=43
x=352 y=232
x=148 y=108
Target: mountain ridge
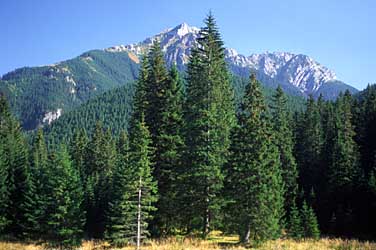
x=39 y=95
x=299 y=70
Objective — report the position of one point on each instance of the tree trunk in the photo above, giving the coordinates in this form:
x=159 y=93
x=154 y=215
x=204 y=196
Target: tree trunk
x=207 y=219
x=247 y=234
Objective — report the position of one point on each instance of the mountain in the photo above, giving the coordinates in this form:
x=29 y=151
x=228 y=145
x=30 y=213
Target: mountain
x=113 y=109
x=39 y=95
x=300 y=74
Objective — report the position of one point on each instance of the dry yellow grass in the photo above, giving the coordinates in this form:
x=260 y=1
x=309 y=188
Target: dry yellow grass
x=217 y=242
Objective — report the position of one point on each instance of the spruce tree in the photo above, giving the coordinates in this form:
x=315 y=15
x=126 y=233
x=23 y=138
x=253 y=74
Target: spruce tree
x=310 y=145
x=118 y=223
x=3 y=190
x=159 y=96
x=101 y=160
x=65 y=217
x=19 y=183
x=135 y=191
x=156 y=86
x=344 y=170
x=284 y=140
x=140 y=101
x=168 y=145
x=309 y=222
x=295 y=227
x=254 y=176
x=41 y=174
x=209 y=117
x=78 y=151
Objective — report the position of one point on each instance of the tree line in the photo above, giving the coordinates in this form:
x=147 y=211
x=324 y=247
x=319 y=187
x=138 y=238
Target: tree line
x=191 y=161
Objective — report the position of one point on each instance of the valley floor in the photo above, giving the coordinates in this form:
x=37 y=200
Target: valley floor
x=217 y=242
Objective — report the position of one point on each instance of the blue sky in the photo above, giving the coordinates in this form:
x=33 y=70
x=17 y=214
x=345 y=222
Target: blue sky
x=339 y=34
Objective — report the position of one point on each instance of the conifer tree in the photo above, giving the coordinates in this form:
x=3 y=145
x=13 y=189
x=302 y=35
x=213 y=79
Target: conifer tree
x=168 y=145
x=254 y=178
x=78 y=151
x=120 y=229
x=156 y=86
x=295 y=227
x=101 y=162
x=65 y=217
x=3 y=190
x=345 y=157
x=144 y=187
x=163 y=116
x=344 y=170
x=140 y=101
x=209 y=116
x=20 y=186
x=310 y=146
x=41 y=174
x=284 y=140
x=309 y=222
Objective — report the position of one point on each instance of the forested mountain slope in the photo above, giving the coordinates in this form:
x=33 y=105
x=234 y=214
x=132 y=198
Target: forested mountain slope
x=38 y=95
x=113 y=109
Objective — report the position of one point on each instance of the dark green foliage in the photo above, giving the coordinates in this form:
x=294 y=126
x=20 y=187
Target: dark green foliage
x=295 y=227
x=345 y=158
x=101 y=160
x=310 y=140
x=112 y=109
x=209 y=116
x=33 y=92
x=41 y=175
x=134 y=189
x=168 y=145
x=140 y=102
x=197 y=169
x=344 y=171
x=309 y=222
x=142 y=187
x=282 y=128
x=3 y=190
x=78 y=152
x=254 y=172
x=19 y=183
x=120 y=229
x=65 y=216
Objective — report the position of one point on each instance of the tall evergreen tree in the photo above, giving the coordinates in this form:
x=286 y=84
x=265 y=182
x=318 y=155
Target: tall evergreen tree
x=119 y=222
x=3 y=190
x=209 y=116
x=156 y=86
x=163 y=116
x=366 y=131
x=20 y=186
x=140 y=100
x=65 y=217
x=144 y=187
x=254 y=178
x=78 y=151
x=344 y=171
x=168 y=145
x=310 y=146
x=284 y=140
x=101 y=162
x=41 y=174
